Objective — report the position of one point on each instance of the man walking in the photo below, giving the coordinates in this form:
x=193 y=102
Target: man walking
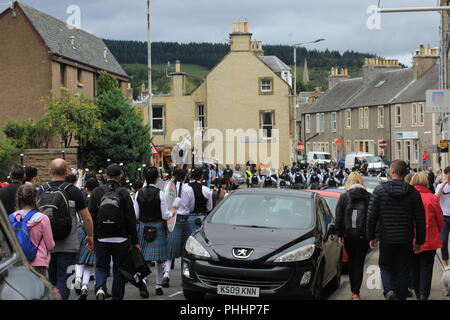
x=443 y=194
x=398 y=210
x=115 y=227
x=55 y=194
x=8 y=194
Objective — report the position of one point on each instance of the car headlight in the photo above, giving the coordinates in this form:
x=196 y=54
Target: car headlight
x=194 y=247
x=300 y=254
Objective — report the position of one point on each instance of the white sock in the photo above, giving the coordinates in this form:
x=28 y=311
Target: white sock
x=87 y=275
x=168 y=264
x=79 y=268
x=160 y=266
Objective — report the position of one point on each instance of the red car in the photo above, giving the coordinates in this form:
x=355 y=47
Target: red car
x=331 y=197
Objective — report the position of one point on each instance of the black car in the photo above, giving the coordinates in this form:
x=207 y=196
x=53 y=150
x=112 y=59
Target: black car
x=264 y=243
x=18 y=280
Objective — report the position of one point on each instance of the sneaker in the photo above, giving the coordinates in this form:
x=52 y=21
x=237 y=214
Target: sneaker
x=356 y=297
x=83 y=295
x=391 y=295
x=159 y=291
x=165 y=282
x=100 y=295
x=143 y=292
x=77 y=286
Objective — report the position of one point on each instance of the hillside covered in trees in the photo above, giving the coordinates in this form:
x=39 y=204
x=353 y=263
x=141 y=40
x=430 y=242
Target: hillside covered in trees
x=131 y=54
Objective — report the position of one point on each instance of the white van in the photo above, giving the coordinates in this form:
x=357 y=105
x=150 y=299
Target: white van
x=374 y=162
x=319 y=158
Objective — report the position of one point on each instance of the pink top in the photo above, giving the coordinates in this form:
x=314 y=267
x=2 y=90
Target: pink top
x=40 y=228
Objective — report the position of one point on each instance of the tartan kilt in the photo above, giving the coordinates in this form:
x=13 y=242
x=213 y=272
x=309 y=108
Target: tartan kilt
x=157 y=250
x=84 y=256
x=177 y=239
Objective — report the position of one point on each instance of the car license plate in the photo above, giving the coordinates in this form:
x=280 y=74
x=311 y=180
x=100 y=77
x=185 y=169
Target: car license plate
x=237 y=291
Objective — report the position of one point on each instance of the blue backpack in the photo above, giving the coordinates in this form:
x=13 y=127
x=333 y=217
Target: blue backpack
x=23 y=235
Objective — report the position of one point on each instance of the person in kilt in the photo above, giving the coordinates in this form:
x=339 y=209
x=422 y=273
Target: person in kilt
x=185 y=224
x=84 y=267
x=202 y=195
x=151 y=210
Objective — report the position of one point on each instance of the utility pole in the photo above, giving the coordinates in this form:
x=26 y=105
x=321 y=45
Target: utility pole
x=149 y=64
x=443 y=9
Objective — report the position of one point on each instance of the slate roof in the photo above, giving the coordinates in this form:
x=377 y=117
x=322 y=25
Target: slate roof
x=381 y=91
x=337 y=97
x=274 y=63
x=56 y=35
x=416 y=91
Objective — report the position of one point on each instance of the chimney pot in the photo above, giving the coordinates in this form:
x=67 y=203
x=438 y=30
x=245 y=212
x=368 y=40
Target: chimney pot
x=246 y=27
x=177 y=66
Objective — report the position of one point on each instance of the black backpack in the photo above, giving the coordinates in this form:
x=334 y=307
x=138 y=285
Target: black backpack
x=54 y=203
x=315 y=178
x=109 y=212
x=268 y=181
x=255 y=179
x=340 y=175
x=298 y=179
x=332 y=182
x=355 y=218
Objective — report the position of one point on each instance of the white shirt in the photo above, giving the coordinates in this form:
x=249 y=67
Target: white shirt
x=445 y=199
x=187 y=202
x=165 y=213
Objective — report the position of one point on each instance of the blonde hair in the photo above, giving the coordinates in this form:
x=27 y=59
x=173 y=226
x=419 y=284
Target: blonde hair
x=408 y=178
x=353 y=178
x=420 y=179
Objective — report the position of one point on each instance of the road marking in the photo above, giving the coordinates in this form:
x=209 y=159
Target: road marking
x=175 y=294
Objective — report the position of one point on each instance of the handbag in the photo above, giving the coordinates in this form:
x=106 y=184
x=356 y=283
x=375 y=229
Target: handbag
x=150 y=234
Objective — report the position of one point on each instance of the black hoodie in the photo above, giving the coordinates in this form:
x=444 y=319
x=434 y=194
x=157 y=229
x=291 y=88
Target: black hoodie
x=357 y=198
x=398 y=209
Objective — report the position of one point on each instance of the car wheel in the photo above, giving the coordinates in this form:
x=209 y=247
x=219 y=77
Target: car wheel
x=336 y=281
x=193 y=295
x=317 y=293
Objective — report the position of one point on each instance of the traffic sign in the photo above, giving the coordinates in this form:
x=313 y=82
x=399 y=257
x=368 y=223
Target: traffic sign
x=382 y=144
x=153 y=149
x=299 y=146
x=438 y=101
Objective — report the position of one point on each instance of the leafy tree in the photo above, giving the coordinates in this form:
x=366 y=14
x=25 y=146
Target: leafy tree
x=28 y=133
x=105 y=83
x=72 y=117
x=8 y=154
x=123 y=137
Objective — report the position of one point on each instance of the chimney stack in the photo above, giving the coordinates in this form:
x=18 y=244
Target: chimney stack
x=179 y=80
x=424 y=59
x=337 y=76
x=374 y=66
x=240 y=38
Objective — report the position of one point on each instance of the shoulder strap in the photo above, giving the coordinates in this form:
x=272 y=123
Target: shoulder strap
x=64 y=186
x=29 y=215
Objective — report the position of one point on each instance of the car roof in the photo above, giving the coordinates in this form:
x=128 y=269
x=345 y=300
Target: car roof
x=332 y=193
x=273 y=191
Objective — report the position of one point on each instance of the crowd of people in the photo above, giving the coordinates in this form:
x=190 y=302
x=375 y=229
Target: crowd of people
x=90 y=220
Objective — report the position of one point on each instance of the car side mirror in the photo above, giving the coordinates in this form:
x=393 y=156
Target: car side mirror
x=198 y=222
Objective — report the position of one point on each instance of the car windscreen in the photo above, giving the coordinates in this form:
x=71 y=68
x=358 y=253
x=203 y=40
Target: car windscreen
x=323 y=156
x=264 y=211
x=371 y=159
x=371 y=184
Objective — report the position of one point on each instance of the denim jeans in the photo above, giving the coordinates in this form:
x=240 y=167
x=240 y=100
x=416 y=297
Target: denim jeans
x=444 y=238
x=104 y=251
x=57 y=271
x=395 y=266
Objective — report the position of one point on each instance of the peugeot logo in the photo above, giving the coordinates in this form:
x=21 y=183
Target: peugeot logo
x=242 y=253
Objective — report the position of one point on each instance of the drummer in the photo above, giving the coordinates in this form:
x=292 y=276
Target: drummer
x=202 y=195
x=151 y=210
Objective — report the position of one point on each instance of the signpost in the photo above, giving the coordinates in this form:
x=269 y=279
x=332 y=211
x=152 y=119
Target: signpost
x=299 y=146
x=382 y=144
x=153 y=149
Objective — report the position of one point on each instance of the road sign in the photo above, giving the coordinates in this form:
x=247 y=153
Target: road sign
x=153 y=149
x=338 y=142
x=299 y=146
x=438 y=101
x=382 y=144
x=443 y=144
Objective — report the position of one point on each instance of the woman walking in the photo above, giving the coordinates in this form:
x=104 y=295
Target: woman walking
x=41 y=235
x=424 y=260
x=351 y=213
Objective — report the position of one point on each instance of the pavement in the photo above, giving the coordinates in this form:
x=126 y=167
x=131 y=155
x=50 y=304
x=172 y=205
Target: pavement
x=371 y=288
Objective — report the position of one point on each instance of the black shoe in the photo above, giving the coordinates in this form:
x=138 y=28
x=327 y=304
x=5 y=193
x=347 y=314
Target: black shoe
x=107 y=294
x=391 y=295
x=159 y=292
x=152 y=263
x=83 y=295
x=165 y=282
x=410 y=293
x=143 y=292
x=173 y=264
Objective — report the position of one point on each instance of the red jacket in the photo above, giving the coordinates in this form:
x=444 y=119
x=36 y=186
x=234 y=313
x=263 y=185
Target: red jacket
x=434 y=217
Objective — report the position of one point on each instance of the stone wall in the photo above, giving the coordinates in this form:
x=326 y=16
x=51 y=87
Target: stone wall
x=41 y=158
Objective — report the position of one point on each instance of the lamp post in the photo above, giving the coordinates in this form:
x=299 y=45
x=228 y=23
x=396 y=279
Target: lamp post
x=21 y=159
x=149 y=65
x=63 y=154
x=295 y=90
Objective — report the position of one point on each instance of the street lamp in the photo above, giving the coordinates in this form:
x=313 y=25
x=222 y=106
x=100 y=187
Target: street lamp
x=21 y=159
x=295 y=87
x=63 y=154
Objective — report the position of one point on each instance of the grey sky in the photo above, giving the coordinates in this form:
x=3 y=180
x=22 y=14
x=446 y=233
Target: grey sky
x=342 y=23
